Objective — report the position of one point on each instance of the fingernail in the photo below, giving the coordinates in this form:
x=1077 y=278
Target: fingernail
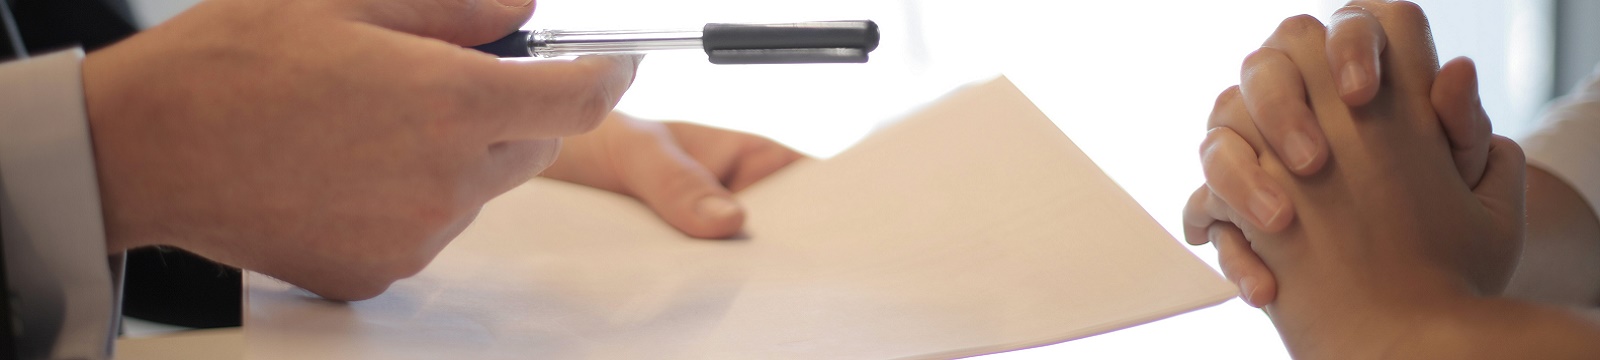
x=515 y=3
x=1265 y=207
x=716 y=207
x=1353 y=78
x=1300 y=150
x=1247 y=290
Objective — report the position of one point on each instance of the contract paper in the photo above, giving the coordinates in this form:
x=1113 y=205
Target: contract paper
x=972 y=226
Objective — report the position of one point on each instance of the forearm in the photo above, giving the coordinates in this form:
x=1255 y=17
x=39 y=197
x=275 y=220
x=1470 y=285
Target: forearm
x=1363 y=326
x=1560 y=262
x=1502 y=328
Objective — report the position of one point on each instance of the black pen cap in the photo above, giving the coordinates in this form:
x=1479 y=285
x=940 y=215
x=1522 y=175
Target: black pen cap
x=805 y=42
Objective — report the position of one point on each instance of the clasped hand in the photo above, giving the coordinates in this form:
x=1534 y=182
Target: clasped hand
x=1349 y=171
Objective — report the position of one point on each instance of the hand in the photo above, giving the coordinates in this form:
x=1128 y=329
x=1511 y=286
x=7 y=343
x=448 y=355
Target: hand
x=1273 y=95
x=1387 y=238
x=337 y=145
x=1357 y=46
x=686 y=173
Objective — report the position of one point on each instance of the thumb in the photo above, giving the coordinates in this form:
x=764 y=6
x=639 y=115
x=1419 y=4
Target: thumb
x=1502 y=190
x=681 y=191
x=461 y=22
x=1455 y=100
x=1502 y=193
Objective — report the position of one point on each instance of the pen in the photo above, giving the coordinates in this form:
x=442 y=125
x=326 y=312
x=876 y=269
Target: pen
x=790 y=43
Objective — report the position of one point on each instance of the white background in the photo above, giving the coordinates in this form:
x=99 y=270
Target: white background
x=1130 y=81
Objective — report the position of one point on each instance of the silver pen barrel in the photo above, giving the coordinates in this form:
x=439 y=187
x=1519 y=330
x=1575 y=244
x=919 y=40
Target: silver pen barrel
x=558 y=43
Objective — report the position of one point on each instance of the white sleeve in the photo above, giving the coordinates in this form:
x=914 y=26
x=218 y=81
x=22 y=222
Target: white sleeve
x=63 y=284
x=1567 y=143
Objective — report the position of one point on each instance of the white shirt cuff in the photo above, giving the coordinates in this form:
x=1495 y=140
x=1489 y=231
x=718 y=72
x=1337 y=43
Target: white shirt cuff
x=54 y=236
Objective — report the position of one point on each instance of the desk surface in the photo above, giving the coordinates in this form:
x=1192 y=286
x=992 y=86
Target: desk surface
x=1230 y=331
x=209 y=344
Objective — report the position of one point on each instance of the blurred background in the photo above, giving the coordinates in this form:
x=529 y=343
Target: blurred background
x=1131 y=82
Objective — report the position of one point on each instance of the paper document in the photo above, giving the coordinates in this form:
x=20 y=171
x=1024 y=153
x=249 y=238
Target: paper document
x=972 y=226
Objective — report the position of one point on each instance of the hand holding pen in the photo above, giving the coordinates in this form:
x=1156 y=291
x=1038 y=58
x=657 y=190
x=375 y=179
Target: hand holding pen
x=342 y=149
x=791 y=43
x=335 y=145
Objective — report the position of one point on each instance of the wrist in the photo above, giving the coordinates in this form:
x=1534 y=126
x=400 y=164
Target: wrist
x=104 y=99
x=1368 y=314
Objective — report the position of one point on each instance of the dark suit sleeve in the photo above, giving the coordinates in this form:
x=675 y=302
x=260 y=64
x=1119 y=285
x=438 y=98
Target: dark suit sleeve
x=50 y=25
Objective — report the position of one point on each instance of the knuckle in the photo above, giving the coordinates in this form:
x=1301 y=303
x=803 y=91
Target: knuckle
x=1272 y=110
x=524 y=159
x=1483 y=128
x=1198 y=197
x=1228 y=105
x=1255 y=58
x=1258 y=62
x=1405 y=11
x=1214 y=152
x=1210 y=143
x=1195 y=209
x=1274 y=107
x=359 y=278
x=404 y=256
x=597 y=96
x=435 y=209
x=542 y=154
x=590 y=108
x=1228 y=96
x=443 y=209
x=1222 y=160
x=1510 y=147
x=1300 y=26
x=1195 y=221
x=1350 y=10
x=368 y=289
